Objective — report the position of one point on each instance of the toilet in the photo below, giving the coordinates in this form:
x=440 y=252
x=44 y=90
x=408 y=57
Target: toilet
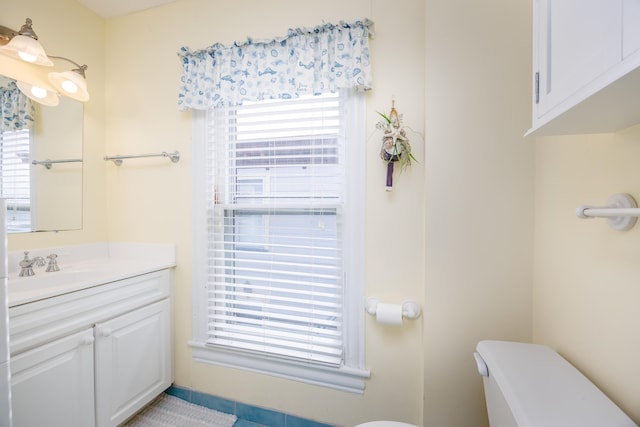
x=530 y=385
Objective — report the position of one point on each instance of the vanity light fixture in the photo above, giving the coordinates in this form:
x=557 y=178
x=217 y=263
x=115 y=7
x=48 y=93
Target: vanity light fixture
x=73 y=83
x=24 y=46
x=38 y=94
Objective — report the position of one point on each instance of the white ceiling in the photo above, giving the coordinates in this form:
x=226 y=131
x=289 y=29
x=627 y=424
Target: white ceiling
x=113 y=8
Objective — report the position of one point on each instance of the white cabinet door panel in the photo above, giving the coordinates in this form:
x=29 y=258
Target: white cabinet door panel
x=630 y=27
x=579 y=40
x=133 y=361
x=52 y=385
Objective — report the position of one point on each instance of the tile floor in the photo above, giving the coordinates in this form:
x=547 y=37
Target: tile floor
x=248 y=415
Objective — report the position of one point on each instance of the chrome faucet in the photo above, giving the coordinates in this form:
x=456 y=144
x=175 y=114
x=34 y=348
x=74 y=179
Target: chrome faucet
x=53 y=263
x=26 y=265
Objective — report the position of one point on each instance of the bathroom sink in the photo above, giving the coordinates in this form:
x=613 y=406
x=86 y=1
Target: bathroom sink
x=45 y=285
x=48 y=280
x=78 y=270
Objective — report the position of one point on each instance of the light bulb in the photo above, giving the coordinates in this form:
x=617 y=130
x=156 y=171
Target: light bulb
x=38 y=92
x=69 y=86
x=27 y=56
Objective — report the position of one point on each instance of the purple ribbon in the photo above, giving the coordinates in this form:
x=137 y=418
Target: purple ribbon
x=389 y=175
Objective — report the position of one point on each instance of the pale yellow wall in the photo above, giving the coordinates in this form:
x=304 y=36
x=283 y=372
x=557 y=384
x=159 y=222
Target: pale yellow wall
x=150 y=200
x=67 y=29
x=479 y=196
x=586 y=274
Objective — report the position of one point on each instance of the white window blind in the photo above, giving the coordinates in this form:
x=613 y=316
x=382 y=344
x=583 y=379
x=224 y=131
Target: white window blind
x=15 y=176
x=275 y=185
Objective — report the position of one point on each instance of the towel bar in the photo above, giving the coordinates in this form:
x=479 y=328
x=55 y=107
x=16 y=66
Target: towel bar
x=621 y=211
x=48 y=163
x=117 y=160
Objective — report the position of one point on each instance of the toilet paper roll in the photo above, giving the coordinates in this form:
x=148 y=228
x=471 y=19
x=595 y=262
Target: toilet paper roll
x=389 y=314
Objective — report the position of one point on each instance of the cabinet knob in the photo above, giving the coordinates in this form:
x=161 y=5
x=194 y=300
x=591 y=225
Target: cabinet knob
x=88 y=340
x=105 y=332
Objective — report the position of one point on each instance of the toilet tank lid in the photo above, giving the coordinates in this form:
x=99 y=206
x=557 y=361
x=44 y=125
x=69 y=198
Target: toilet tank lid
x=543 y=389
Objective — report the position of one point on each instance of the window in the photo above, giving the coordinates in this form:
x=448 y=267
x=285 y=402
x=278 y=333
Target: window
x=278 y=238
x=15 y=178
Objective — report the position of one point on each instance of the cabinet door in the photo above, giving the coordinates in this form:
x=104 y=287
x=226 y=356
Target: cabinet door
x=133 y=362
x=577 y=41
x=52 y=385
x=630 y=27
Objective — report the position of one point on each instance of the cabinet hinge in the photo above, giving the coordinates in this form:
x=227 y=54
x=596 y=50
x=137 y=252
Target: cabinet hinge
x=537 y=87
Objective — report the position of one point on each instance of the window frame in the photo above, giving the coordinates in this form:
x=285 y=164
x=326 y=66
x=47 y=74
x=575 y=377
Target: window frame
x=350 y=375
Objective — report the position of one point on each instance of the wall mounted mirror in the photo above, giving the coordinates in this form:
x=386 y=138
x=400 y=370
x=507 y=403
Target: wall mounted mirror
x=41 y=170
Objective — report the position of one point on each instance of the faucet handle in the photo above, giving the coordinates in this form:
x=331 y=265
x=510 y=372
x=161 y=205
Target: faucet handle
x=53 y=263
x=26 y=265
x=25 y=261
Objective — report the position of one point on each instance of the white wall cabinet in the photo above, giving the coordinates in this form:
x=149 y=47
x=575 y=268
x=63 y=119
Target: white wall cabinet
x=630 y=27
x=586 y=55
x=119 y=361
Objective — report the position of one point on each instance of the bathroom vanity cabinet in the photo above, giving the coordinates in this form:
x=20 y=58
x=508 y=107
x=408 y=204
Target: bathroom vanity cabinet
x=91 y=357
x=586 y=58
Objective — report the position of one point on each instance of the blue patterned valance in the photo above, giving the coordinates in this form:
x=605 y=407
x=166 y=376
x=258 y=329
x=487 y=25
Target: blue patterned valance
x=16 y=110
x=305 y=61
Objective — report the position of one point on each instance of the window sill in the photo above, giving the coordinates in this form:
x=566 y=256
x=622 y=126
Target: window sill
x=340 y=378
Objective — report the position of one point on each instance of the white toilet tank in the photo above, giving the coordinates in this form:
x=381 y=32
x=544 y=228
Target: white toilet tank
x=529 y=385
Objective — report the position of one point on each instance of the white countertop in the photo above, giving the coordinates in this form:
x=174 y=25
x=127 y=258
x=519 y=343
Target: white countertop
x=85 y=266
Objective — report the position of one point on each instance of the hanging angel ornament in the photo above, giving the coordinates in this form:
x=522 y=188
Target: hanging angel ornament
x=395 y=143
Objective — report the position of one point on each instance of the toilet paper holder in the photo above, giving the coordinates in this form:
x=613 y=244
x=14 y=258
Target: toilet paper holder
x=410 y=308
